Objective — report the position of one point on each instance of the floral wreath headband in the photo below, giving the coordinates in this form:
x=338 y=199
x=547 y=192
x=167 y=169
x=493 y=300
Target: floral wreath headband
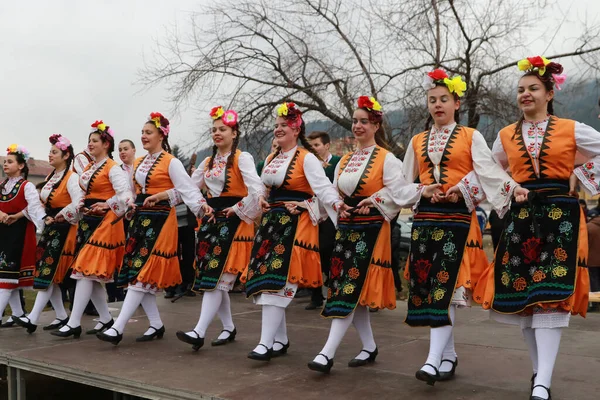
x=60 y=141
x=371 y=104
x=161 y=122
x=18 y=149
x=438 y=76
x=229 y=117
x=102 y=128
x=289 y=111
x=541 y=64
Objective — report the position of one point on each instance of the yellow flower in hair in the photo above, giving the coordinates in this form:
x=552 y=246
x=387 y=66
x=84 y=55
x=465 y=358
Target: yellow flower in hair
x=456 y=85
x=102 y=127
x=376 y=105
x=282 y=110
x=524 y=65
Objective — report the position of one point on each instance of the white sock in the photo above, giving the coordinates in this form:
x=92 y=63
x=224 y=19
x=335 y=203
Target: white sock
x=57 y=303
x=151 y=310
x=225 y=315
x=338 y=329
x=4 y=296
x=449 y=351
x=133 y=299
x=271 y=319
x=529 y=335
x=211 y=301
x=548 y=343
x=437 y=343
x=281 y=334
x=83 y=292
x=15 y=303
x=99 y=299
x=362 y=323
x=41 y=299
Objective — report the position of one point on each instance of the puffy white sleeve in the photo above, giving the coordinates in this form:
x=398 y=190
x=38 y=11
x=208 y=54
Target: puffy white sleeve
x=324 y=190
x=189 y=192
x=35 y=211
x=70 y=212
x=248 y=209
x=397 y=192
x=588 y=148
x=120 y=183
x=410 y=165
x=501 y=195
x=79 y=163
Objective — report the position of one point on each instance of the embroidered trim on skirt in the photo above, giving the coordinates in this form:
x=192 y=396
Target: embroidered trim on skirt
x=11 y=252
x=48 y=254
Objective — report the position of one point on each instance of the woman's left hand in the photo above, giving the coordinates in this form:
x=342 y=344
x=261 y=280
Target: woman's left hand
x=364 y=207
x=292 y=207
x=151 y=200
x=229 y=212
x=454 y=194
x=573 y=186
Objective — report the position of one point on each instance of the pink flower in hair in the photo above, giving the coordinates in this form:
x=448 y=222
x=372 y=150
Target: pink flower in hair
x=230 y=118
x=559 y=79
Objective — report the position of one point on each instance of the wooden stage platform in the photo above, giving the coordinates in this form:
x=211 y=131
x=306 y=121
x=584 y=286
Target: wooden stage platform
x=494 y=363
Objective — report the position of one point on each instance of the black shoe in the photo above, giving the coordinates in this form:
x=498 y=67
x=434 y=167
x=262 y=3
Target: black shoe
x=110 y=339
x=158 y=333
x=533 y=380
x=104 y=327
x=58 y=325
x=169 y=295
x=75 y=332
x=196 y=342
x=261 y=357
x=25 y=322
x=356 y=362
x=10 y=322
x=373 y=309
x=446 y=376
x=324 y=368
x=313 y=306
x=230 y=338
x=282 y=351
x=538 y=397
x=427 y=377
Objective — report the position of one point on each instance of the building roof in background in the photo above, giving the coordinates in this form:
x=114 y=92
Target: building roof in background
x=36 y=167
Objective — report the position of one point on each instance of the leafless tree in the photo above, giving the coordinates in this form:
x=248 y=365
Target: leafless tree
x=324 y=54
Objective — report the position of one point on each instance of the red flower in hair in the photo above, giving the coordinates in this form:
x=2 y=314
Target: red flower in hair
x=365 y=102
x=156 y=115
x=438 y=74
x=537 y=61
x=96 y=123
x=215 y=111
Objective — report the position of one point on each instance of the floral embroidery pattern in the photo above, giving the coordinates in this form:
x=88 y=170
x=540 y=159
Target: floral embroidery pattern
x=48 y=254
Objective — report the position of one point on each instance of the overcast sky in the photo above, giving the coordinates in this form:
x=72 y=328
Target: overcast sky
x=66 y=63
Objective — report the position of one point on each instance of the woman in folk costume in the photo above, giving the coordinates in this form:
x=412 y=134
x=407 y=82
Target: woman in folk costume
x=361 y=276
x=151 y=262
x=100 y=237
x=225 y=239
x=446 y=253
x=60 y=195
x=285 y=254
x=20 y=213
x=539 y=276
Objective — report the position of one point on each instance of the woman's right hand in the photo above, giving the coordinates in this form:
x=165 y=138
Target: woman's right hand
x=264 y=204
x=433 y=192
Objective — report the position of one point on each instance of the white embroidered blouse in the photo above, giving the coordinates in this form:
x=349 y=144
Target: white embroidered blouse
x=118 y=178
x=69 y=212
x=35 y=211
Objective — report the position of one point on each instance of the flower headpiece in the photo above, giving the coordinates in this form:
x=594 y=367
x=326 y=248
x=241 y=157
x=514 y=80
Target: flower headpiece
x=229 y=117
x=289 y=111
x=101 y=127
x=370 y=104
x=15 y=148
x=160 y=122
x=543 y=65
x=439 y=76
x=60 y=141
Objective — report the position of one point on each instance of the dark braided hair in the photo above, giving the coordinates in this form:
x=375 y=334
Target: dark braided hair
x=105 y=138
x=24 y=171
x=548 y=82
x=53 y=140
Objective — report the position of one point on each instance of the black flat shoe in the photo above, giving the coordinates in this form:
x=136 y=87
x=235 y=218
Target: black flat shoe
x=356 y=362
x=282 y=351
x=533 y=380
x=58 y=325
x=110 y=339
x=427 y=377
x=538 y=397
x=230 y=338
x=25 y=322
x=158 y=333
x=75 y=332
x=313 y=306
x=196 y=342
x=324 y=368
x=261 y=357
x=104 y=327
x=10 y=322
x=446 y=376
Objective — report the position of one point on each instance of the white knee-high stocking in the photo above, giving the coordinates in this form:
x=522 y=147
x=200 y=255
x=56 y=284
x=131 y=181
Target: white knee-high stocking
x=4 y=296
x=15 y=303
x=41 y=299
x=438 y=340
x=548 y=343
x=83 y=293
x=133 y=299
x=362 y=323
x=449 y=351
x=529 y=335
x=225 y=314
x=151 y=310
x=281 y=334
x=339 y=327
x=57 y=303
x=211 y=302
x=271 y=319
x=99 y=299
